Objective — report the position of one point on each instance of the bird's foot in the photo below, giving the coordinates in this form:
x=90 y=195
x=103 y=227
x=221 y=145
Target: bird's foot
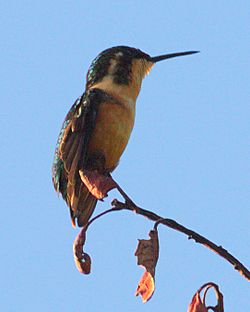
x=97 y=184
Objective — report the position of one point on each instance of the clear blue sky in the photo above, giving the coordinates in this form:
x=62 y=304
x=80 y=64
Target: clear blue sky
x=188 y=157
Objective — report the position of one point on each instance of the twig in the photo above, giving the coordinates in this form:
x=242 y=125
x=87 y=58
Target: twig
x=100 y=215
x=130 y=205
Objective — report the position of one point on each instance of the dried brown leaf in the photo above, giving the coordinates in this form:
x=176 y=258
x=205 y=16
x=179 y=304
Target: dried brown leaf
x=220 y=304
x=196 y=305
x=147 y=254
x=146 y=286
x=97 y=184
x=82 y=259
x=199 y=305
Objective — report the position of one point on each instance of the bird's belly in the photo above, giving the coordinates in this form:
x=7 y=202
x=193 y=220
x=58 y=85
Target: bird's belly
x=112 y=130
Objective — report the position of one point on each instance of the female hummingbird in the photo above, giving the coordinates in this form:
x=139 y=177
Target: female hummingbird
x=97 y=128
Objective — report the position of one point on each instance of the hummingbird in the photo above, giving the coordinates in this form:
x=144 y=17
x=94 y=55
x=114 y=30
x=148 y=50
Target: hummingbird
x=97 y=128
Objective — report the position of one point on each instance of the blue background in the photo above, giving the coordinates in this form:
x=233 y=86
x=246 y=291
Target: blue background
x=188 y=157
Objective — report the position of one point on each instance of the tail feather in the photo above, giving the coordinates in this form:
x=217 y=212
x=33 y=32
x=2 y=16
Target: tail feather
x=82 y=206
x=88 y=209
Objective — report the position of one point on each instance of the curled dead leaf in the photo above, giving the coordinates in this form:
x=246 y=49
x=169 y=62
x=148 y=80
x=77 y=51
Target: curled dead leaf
x=196 y=304
x=82 y=259
x=146 y=286
x=97 y=184
x=199 y=305
x=147 y=254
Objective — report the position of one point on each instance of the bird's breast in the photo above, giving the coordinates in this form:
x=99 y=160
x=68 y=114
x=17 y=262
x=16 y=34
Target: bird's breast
x=112 y=130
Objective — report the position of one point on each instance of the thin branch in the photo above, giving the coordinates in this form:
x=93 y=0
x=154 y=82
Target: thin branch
x=130 y=205
x=100 y=215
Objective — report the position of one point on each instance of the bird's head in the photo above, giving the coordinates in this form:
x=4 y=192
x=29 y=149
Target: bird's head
x=123 y=66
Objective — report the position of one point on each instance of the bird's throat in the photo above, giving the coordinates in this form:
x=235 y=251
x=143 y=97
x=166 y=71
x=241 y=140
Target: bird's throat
x=121 y=92
x=126 y=92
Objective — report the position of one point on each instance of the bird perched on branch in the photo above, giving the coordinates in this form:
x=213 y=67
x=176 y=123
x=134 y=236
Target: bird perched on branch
x=97 y=128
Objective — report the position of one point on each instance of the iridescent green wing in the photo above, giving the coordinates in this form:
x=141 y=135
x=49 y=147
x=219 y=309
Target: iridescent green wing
x=71 y=150
x=72 y=153
x=69 y=142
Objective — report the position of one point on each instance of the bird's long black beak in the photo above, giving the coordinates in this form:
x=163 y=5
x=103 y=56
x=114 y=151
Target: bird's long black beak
x=167 y=56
